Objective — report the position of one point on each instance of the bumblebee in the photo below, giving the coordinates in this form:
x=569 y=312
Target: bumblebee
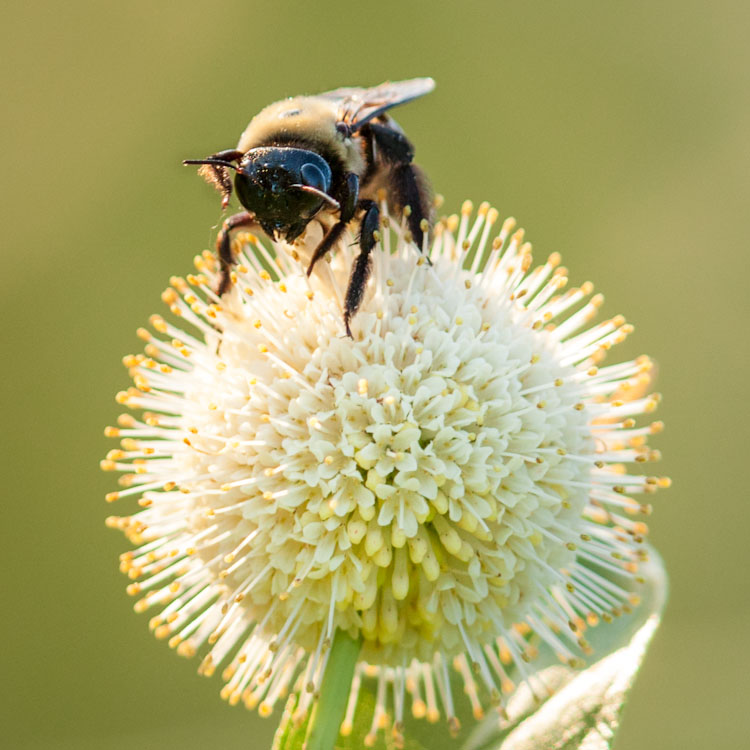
x=323 y=158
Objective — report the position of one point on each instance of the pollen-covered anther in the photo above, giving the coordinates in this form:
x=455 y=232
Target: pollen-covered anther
x=447 y=485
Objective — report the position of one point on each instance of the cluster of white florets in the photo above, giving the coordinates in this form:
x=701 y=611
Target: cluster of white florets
x=440 y=485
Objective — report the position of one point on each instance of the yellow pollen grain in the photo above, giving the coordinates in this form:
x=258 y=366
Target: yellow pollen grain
x=169 y=296
x=126 y=420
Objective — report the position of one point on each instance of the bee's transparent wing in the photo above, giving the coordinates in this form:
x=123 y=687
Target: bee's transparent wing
x=358 y=106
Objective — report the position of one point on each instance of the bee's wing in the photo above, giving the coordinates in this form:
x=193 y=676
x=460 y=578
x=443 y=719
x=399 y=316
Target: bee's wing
x=358 y=106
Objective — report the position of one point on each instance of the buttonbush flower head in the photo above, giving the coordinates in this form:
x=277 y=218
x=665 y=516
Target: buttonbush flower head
x=449 y=486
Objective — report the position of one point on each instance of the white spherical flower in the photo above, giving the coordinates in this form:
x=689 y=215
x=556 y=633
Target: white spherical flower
x=440 y=486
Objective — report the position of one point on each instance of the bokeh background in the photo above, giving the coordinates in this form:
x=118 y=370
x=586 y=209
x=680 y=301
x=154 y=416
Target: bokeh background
x=616 y=133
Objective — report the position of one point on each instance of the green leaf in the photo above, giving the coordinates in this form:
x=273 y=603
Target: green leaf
x=584 y=709
x=320 y=731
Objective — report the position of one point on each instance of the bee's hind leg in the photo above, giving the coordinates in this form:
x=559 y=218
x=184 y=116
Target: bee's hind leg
x=224 y=247
x=362 y=265
x=409 y=189
x=407 y=184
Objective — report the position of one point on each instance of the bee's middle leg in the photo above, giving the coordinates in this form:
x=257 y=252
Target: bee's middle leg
x=362 y=265
x=347 y=198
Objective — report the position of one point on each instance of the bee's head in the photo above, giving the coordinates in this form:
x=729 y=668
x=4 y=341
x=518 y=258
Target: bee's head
x=283 y=187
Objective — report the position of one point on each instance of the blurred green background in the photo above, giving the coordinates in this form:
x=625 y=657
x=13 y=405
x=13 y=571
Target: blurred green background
x=616 y=133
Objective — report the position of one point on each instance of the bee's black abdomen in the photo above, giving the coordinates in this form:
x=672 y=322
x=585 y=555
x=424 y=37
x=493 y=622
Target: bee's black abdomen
x=393 y=146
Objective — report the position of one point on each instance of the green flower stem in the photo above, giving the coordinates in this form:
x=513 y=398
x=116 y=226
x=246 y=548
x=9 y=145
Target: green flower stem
x=334 y=692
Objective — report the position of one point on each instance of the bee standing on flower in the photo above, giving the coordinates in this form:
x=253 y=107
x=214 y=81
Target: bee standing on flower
x=323 y=158
x=443 y=495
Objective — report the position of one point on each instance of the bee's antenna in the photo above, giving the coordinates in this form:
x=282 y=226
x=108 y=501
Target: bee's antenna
x=314 y=191
x=212 y=163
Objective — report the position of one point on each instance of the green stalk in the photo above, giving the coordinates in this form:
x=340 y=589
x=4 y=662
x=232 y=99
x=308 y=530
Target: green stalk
x=334 y=693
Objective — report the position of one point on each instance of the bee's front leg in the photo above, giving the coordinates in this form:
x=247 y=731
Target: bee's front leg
x=347 y=198
x=224 y=247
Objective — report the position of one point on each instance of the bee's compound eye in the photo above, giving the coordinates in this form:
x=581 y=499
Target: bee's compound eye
x=314 y=177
